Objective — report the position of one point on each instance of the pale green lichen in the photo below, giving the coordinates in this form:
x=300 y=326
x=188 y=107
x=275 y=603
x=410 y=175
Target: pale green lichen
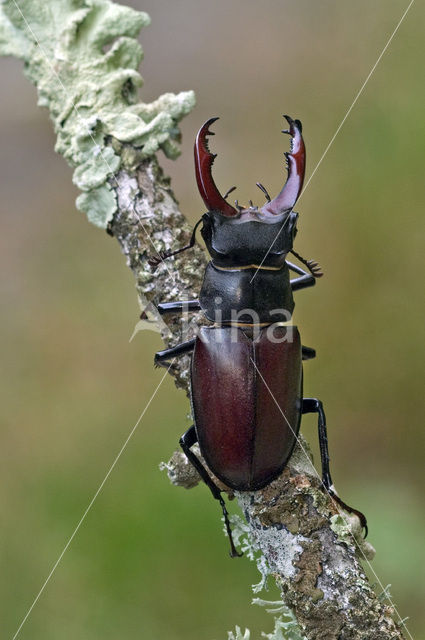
x=100 y=204
x=284 y=630
x=285 y=625
x=237 y=635
x=83 y=57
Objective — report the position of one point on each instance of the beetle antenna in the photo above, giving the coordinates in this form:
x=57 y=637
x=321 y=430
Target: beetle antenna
x=154 y=261
x=228 y=192
x=311 y=265
x=264 y=190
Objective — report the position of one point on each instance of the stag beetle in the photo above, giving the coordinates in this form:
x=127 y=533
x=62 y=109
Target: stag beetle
x=246 y=369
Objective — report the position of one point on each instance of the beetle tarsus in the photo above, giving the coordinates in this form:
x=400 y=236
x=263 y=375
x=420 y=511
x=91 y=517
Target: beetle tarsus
x=233 y=551
x=155 y=261
x=312 y=265
x=346 y=507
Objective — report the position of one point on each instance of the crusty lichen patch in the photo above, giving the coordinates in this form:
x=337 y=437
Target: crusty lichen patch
x=83 y=56
x=310 y=566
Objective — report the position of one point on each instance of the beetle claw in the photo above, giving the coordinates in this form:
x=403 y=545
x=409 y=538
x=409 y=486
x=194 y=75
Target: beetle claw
x=315 y=268
x=155 y=261
x=159 y=363
x=346 y=507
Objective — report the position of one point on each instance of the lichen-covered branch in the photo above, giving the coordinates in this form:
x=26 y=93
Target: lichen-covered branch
x=83 y=57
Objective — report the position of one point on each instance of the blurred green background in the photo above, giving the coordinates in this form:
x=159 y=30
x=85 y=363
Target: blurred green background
x=150 y=560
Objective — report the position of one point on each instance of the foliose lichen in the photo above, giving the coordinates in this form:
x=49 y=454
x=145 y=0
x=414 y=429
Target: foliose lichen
x=237 y=635
x=83 y=57
x=285 y=624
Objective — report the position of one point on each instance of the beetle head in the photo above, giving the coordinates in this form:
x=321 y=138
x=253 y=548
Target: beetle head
x=244 y=235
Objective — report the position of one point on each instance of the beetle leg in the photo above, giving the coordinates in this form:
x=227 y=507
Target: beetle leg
x=305 y=280
x=187 y=440
x=179 y=350
x=308 y=353
x=312 y=405
x=180 y=306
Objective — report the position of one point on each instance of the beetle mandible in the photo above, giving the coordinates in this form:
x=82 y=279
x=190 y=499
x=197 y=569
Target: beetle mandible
x=246 y=369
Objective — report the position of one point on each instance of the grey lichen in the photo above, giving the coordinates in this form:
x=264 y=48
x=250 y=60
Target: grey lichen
x=83 y=56
x=267 y=538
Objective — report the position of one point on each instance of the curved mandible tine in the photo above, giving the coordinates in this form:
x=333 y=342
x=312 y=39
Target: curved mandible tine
x=228 y=192
x=264 y=190
x=204 y=160
x=288 y=196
